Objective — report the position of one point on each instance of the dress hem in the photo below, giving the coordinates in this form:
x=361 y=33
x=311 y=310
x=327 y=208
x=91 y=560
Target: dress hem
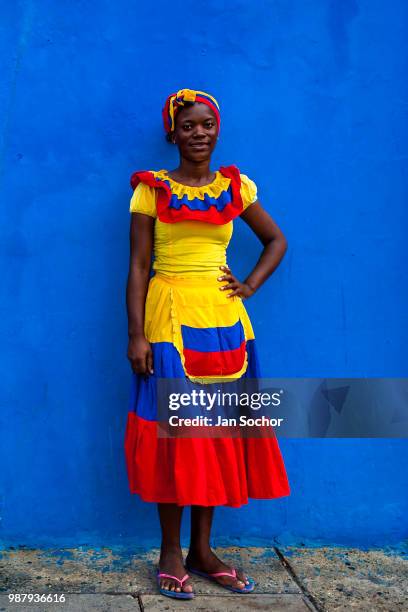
x=244 y=502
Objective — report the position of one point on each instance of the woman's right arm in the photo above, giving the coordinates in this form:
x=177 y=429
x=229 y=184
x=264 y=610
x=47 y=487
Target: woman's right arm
x=141 y=244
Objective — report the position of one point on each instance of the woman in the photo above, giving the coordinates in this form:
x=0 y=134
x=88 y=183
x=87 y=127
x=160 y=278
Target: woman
x=188 y=321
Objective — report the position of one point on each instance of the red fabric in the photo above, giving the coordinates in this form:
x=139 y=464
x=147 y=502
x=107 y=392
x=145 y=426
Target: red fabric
x=212 y=215
x=164 y=191
x=165 y=115
x=201 y=471
x=233 y=173
x=210 y=363
x=178 y=107
x=213 y=108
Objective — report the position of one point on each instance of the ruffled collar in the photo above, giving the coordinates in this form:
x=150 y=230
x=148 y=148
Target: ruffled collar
x=214 y=189
x=219 y=202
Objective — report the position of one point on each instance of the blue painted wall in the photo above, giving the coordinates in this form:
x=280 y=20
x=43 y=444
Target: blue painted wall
x=313 y=97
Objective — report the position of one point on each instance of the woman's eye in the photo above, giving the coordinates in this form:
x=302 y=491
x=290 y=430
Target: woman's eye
x=186 y=126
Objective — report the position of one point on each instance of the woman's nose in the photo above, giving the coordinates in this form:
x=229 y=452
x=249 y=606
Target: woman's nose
x=199 y=131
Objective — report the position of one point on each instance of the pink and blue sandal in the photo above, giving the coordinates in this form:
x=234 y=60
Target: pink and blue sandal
x=247 y=589
x=175 y=594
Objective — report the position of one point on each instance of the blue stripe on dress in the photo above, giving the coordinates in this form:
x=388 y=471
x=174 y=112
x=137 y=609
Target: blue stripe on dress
x=197 y=204
x=220 y=203
x=167 y=364
x=211 y=339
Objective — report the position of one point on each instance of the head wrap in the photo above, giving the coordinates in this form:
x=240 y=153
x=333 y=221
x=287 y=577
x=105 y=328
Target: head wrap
x=176 y=101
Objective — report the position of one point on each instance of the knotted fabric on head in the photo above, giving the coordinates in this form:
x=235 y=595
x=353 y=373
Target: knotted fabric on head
x=177 y=100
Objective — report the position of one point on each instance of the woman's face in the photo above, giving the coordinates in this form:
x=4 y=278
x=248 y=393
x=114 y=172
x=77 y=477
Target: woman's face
x=196 y=132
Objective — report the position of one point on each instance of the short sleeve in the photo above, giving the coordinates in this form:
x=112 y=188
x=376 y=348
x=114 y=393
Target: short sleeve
x=248 y=191
x=144 y=200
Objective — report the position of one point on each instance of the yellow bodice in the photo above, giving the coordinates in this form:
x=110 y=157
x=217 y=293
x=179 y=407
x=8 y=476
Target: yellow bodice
x=190 y=248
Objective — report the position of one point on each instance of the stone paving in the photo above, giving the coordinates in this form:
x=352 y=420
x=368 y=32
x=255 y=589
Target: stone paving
x=287 y=578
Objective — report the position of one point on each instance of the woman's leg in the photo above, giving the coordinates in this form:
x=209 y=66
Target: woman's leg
x=171 y=556
x=200 y=556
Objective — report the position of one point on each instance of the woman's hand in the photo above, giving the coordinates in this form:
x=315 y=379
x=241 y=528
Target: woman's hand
x=241 y=289
x=140 y=355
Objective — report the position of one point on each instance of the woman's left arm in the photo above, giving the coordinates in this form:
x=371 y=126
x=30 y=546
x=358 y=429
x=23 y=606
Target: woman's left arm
x=275 y=246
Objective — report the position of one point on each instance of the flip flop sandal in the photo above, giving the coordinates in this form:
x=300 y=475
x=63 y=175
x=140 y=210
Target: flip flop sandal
x=175 y=594
x=247 y=589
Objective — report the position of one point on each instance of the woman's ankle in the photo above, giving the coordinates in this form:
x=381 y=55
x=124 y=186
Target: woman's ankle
x=171 y=549
x=199 y=551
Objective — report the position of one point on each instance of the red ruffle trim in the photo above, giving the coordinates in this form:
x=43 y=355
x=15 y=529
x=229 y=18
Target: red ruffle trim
x=212 y=215
x=201 y=471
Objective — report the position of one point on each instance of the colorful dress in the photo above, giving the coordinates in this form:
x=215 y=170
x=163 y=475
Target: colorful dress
x=199 y=334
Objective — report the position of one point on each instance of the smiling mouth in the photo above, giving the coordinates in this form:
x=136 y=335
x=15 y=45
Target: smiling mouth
x=199 y=145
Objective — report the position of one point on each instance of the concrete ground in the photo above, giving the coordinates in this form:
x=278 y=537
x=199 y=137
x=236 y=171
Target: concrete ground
x=287 y=578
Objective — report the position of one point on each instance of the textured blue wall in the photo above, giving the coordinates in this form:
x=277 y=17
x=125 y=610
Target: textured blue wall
x=313 y=97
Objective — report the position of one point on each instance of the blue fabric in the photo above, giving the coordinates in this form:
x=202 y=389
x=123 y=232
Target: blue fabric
x=220 y=203
x=167 y=365
x=212 y=339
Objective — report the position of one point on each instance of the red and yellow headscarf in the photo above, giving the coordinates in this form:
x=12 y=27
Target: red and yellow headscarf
x=176 y=101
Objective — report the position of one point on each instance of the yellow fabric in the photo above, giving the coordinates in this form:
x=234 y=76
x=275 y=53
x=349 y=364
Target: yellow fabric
x=144 y=200
x=189 y=95
x=190 y=248
x=197 y=302
x=177 y=100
